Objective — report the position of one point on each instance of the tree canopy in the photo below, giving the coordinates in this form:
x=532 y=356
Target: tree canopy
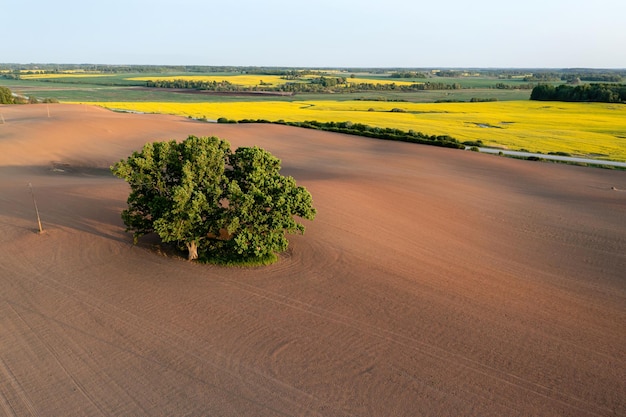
x=219 y=205
x=6 y=97
x=607 y=93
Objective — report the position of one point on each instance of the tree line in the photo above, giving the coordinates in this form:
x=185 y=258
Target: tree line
x=360 y=129
x=407 y=74
x=385 y=133
x=504 y=86
x=592 y=77
x=321 y=84
x=607 y=77
x=194 y=85
x=605 y=93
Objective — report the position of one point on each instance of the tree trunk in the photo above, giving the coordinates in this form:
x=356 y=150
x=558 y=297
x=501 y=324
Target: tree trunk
x=192 y=247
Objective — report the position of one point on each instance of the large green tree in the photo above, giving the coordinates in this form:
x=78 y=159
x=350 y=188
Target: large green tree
x=217 y=204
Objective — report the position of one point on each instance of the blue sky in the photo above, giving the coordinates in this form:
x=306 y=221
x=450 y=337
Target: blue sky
x=317 y=33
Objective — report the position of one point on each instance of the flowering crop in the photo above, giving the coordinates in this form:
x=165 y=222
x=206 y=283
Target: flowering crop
x=64 y=75
x=251 y=80
x=587 y=129
x=248 y=80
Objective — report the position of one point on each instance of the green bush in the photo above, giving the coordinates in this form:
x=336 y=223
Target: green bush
x=6 y=97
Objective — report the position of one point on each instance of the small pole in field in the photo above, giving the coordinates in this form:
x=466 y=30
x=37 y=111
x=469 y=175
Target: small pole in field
x=35 y=204
x=48 y=108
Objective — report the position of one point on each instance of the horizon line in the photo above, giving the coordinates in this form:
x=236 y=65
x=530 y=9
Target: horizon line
x=472 y=67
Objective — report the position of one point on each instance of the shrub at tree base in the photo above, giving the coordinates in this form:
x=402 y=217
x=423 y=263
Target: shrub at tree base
x=221 y=206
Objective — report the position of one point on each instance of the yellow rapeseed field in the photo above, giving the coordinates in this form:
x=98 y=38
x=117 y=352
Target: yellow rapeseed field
x=64 y=75
x=586 y=129
x=245 y=80
x=251 y=80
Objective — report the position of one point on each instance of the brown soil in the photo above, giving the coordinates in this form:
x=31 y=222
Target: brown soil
x=433 y=282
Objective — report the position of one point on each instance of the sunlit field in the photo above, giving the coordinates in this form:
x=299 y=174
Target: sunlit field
x=64 y=75
x=247 y=80
x=251 y=80
x=581 y=129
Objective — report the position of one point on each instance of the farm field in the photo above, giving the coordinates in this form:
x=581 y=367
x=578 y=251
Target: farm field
x=433 y=281
x=511 y=122
x=594 y=130
x=250 y=80
x=73 y=85
x=65 y=76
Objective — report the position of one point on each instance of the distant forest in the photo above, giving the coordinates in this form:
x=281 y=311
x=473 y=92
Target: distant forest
x=604 y=93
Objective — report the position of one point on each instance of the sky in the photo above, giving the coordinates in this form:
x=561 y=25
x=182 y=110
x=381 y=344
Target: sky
x=317 y=33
